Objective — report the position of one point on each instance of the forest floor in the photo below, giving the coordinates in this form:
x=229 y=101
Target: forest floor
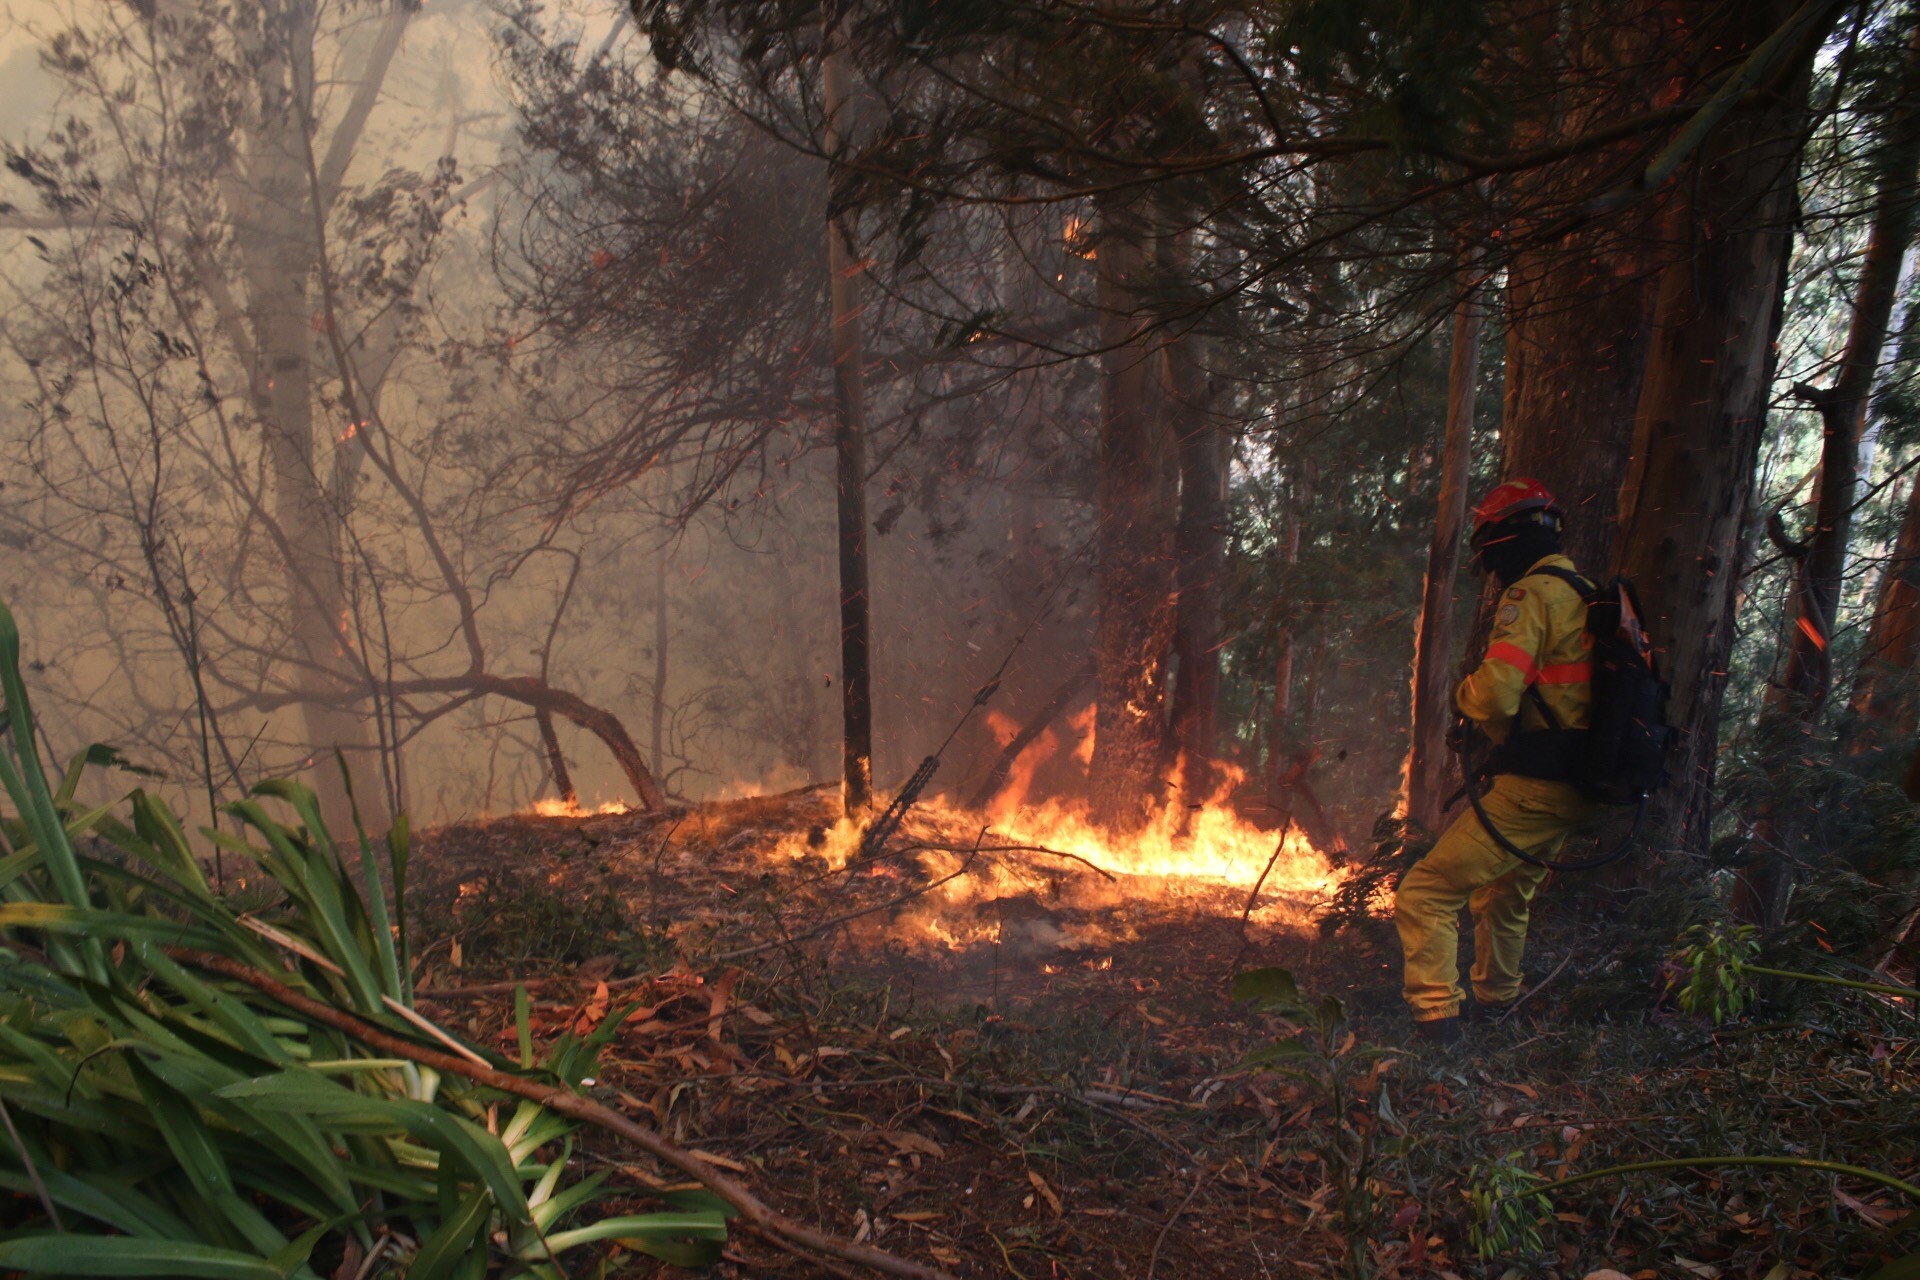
x=1043 y=1076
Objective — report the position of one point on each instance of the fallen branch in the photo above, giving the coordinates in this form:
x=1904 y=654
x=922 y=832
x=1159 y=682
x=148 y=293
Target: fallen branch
x=761 y=1216
x=827 y=926
x=1537 y=988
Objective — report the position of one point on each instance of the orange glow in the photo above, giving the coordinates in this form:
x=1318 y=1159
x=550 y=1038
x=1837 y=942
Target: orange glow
x=554 y=807
x=1200 y=854
x=1082 y=722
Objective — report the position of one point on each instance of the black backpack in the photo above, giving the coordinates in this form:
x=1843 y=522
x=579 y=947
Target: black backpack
x=1623 y=756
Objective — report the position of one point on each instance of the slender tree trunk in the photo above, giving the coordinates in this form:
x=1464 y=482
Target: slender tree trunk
x=1134 y=575
x=1685 y=502
x=1843 y=406
x=1286 y=634
x=1201 y=553
x=276 y=250
x=849 y=450
x=660 y=638
x=556 y=759
x=1427 y=763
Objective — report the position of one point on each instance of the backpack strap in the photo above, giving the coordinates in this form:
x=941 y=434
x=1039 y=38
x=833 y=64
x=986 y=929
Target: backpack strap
x=1587 y=591
x=1584 y=586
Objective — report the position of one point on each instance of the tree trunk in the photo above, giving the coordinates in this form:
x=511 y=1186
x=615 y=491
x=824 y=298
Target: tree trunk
x=1201 y=554
x=849 y=451
x=660 y=637
x=1134 y=576
x=556 y=759
x=1843 y=407
x=1280 y=744
x=1579 y=309
x=273 y=238
x=1685 y=501
x=1427 y=763
x=1883 y=704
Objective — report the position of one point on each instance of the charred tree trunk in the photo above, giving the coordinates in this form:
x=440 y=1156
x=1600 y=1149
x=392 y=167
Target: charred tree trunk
x=1201 y=553
x=1427 y=763
x=556 y=759
x=1686 y=499
x=1843 y=406
x=849 y=451
x=1134 y=576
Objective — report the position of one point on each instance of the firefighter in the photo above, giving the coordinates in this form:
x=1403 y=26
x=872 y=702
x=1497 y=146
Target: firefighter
x=1539 y=642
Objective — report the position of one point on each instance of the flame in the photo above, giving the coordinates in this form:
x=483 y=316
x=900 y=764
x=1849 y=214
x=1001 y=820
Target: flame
x=1206 y=853
x=1012 y=796
x=554 y=807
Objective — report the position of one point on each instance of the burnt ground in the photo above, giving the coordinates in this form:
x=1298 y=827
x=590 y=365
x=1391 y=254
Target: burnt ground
x=1032 y=1071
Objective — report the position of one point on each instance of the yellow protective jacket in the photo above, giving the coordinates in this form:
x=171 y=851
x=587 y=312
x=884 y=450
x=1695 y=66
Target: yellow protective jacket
x=1539 y=638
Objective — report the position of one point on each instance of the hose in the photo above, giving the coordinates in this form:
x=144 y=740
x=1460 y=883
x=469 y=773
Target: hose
x=1619 y=851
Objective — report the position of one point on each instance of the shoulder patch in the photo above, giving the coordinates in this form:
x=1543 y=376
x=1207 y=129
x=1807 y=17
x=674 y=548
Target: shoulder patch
x=1508 y=614
x=1516 y=593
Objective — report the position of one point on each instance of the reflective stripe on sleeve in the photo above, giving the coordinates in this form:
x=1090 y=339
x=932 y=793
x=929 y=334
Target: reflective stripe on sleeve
x=1516 y=657
x=1566 y=673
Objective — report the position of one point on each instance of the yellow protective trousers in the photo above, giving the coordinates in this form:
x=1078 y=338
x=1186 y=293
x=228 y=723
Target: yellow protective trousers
x=1466 y=868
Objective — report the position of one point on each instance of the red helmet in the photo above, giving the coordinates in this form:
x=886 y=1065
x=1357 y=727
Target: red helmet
x=1512 y=498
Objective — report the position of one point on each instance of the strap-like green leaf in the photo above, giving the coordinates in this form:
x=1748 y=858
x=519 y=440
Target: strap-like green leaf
x=67 y=1255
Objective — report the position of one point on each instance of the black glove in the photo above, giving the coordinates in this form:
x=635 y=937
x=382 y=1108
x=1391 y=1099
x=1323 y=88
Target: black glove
x=1457 y=732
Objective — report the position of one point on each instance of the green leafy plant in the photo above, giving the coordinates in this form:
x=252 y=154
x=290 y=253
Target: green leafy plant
x=1325 y=1056
x=1708 y=969
x=1509 y=1213
x=167 y=1120
x=1712 y=970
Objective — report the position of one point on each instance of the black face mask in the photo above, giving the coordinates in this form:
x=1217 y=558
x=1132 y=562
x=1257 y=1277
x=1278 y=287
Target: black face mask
x=1510 y=550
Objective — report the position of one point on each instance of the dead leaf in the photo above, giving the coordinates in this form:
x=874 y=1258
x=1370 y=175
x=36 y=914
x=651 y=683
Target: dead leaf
x=596 y=1010
x=1527 y=1089
x=1605 y=1273
x=1408 y=1215
x=1705 y=1270
x=1040 y=1185
x=919 y=1215
x=1879 y=1215
x=717 y=997
x=914 y=1142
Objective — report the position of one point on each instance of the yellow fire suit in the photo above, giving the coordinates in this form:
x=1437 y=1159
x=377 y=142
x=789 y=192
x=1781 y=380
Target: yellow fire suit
x=1539 y=638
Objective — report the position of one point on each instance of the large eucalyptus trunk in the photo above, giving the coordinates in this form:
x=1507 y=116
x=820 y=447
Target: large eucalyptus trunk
x=1579 y=308
x=1685 y=503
